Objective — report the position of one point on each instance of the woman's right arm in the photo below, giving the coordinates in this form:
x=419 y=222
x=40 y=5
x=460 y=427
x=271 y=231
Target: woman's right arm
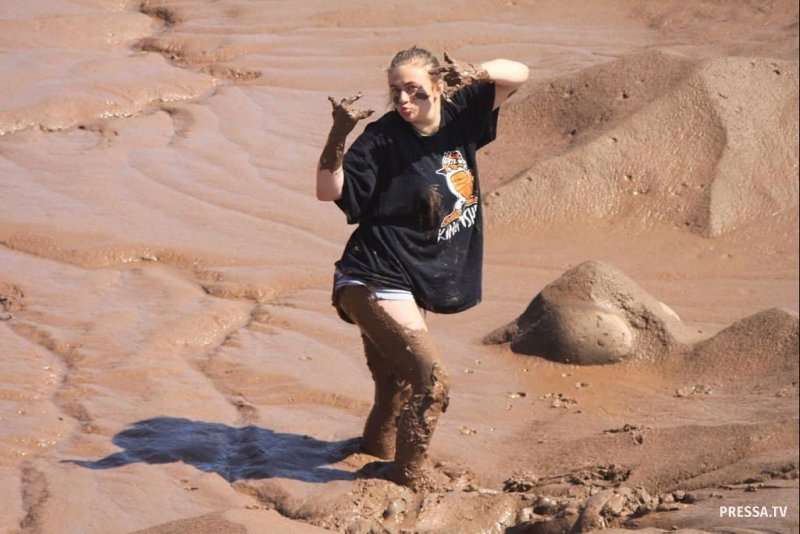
x=330 y=176
x=330 y=184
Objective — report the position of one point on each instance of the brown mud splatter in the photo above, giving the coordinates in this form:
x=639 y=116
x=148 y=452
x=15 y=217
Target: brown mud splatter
x=11 y=300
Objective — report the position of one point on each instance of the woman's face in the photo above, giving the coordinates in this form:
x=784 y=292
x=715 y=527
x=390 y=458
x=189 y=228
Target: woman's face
x=414 y=95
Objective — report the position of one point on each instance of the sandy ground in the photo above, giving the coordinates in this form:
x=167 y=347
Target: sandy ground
x=170 y=360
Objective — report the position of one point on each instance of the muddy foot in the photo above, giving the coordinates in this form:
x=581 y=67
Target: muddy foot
x=422 y=479
x=376 y=469
x=427 y=479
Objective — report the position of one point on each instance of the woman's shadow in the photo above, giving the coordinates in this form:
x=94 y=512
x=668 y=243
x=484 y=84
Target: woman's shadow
x=233 y=453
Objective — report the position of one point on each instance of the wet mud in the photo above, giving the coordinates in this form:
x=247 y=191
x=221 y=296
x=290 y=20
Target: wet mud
x=170 y=358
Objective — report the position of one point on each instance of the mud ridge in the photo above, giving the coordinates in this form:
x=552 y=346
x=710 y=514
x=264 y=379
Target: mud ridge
x=248 y=414
x=70 y=251
x=596 y=497
x=66 y=352
x=159 y=12
x=59 y=113
x=283 y=390
x=182 y=122
x=11 y=300
x=271 y=497
x=199 y=59
x=554 y=117
x=67 y=395
x=34 y=497
x=234 y=74
x=183 y=53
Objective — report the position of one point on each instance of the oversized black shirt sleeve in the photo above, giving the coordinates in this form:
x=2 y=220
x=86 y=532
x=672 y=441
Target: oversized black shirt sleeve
x=475 y=105
x=361 y=167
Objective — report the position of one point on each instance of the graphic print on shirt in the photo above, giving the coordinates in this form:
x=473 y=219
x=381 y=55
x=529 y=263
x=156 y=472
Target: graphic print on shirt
x=461 y=183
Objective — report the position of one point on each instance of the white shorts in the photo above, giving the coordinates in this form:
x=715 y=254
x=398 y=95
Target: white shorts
x=381 y=293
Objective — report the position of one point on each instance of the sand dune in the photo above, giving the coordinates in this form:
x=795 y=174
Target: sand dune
x=713 y=148
x=764 y=344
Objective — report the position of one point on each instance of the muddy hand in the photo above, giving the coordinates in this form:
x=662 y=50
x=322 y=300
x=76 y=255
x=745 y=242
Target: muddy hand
x=345 y=114
x=457 y=74
x=345 y=118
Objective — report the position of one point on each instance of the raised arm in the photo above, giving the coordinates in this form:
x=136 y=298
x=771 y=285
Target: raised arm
x=330 y=176
x=507 y=76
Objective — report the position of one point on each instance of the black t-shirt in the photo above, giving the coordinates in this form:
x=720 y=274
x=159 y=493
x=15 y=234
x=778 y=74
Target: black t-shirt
x=416 y=200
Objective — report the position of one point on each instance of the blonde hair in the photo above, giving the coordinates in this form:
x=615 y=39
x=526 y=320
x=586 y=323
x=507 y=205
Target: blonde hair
x=416 y=55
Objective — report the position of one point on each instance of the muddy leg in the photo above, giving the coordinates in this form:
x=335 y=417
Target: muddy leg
x=413 y=357
x=380 y=430
x=415 y=430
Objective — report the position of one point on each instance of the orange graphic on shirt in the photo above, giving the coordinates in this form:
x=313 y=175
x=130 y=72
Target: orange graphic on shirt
x=460 y=181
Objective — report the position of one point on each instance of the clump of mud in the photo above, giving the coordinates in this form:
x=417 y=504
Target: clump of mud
x=593 y=314
x=11 y=298
x=380 y=506
x=585 y=499
x=375 y=505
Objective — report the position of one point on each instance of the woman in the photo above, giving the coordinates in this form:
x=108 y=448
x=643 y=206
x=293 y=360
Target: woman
x=410 y=183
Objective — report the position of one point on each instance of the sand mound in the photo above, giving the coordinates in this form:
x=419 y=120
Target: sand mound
x=761 y=344
x=548 y=119
x=709 y=145
x=593 y=314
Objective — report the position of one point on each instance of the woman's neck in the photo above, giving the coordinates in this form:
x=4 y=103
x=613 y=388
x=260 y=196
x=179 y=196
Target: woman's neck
x=431 y=126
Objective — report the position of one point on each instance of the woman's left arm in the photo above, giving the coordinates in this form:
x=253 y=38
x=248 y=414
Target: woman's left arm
x=507 y=76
